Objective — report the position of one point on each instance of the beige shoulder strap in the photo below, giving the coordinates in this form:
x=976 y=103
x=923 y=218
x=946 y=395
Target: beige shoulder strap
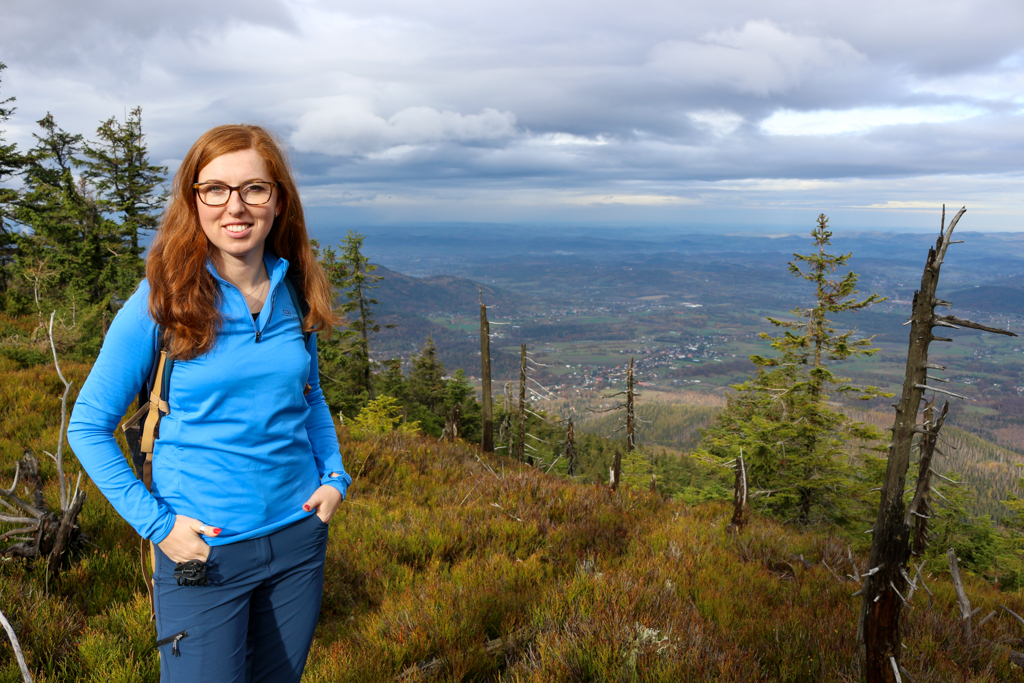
x=156 y=406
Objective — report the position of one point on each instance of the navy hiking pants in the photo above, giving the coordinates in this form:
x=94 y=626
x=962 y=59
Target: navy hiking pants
x=255 y=619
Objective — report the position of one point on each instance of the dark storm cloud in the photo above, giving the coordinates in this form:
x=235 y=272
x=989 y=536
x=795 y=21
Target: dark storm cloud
x=563 y=102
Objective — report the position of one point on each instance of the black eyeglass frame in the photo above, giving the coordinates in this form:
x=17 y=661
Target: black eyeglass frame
x=235 y=188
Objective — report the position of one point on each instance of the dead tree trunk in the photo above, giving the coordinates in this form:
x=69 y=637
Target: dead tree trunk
x=920 y=507
x=630 y=413
x=570 y=447
x=961 y=595
x=739 y=496
x=487 y=439
x=39 y=531
x=884 y=584
x=453 y=423
x=521 y=444
x=616 y=470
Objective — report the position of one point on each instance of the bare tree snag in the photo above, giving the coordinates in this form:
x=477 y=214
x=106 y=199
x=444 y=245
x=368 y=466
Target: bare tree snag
x=630 y=412
x=521 y=444
x=616 y=470
x=966 y=613
x=879 y=630
x=487 y=439
x=39 y=531
x=920 y=507
x=739 y=496
x=570 y=447
x=16 y=646
x=453 y=424
x=961 y=594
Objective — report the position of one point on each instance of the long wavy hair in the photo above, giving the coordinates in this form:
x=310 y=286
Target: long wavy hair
x=183 y=293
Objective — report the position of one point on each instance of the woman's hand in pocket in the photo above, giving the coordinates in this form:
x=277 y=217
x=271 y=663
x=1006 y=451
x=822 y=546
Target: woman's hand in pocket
x=185 y=542
x=325 y=500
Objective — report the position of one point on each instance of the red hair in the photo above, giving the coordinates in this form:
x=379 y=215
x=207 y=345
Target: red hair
x=183 y=293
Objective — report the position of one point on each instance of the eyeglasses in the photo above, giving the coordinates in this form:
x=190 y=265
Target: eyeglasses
x=218 y=194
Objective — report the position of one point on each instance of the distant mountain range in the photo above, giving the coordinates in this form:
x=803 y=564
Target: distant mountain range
x=422 y=296
x=1006 y=299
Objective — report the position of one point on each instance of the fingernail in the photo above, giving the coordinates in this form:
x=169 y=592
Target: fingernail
x=216 y=531
x=306 y=508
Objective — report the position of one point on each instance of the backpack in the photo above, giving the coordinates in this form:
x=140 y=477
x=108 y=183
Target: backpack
x=142 y=429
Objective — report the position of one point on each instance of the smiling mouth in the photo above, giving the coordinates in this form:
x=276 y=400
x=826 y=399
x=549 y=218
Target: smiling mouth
x=236 y=228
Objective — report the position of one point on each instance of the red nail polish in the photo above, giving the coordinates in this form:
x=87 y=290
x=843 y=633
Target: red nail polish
x=306 y=508
x=216 y=531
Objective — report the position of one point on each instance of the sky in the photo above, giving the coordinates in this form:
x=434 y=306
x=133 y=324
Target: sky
x=731 y=115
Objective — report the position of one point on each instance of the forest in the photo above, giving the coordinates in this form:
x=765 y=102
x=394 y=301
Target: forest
x=568 y=522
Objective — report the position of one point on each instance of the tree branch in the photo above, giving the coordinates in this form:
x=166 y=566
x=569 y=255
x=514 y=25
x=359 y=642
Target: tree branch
x=946 y=320
x=25 y=674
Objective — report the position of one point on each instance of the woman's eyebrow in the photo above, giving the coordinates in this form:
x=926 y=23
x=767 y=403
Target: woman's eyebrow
x=244 y=182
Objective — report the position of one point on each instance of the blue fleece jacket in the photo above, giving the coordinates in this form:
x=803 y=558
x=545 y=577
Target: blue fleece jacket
x=242 y=449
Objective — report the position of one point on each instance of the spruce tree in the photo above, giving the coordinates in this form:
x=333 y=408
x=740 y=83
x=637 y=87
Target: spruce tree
x=10 y=163
x=426 y=380
x=127 y=185
x=69 y=248
x=795 y=444
x=352 y=273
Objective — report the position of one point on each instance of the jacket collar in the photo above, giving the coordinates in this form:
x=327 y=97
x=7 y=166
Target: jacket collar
x=276 y=267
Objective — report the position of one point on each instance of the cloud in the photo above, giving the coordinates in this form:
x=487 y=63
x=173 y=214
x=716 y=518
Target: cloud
x=585 y=108
x=348 y=126
x=759 y=58
x=862 y=119
x=718 y=122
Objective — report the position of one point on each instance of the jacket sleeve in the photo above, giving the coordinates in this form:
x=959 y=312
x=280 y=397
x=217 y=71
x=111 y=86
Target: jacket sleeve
x=128 y=354
x=320 y=428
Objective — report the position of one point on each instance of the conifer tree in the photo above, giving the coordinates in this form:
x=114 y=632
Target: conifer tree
x=127 y=185
x=426 y=380
x=70 y=248
x=10 y=163
x=352 y=273
x=794 y=443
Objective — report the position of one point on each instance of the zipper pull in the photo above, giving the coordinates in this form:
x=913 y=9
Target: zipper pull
x=258 y=335
x=174 y=643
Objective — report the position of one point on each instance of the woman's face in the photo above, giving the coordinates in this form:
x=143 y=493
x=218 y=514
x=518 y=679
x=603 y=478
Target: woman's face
x=237 y=230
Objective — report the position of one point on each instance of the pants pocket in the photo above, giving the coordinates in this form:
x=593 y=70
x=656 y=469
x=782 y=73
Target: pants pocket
x=172 y=644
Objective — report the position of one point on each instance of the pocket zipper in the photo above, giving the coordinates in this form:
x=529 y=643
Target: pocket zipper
x=174 y=642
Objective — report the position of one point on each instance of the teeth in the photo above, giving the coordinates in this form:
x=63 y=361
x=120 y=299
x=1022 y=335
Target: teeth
x=235 y=228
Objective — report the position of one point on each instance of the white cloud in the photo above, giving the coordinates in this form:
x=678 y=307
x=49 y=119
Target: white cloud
x=759 y=58
x=562 y=139
x=719 y=122
x=1003 y=83
x=862 y=119
x=628 y=200
x=345 y=125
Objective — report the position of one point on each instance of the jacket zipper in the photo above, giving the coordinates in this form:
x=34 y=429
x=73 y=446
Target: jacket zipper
x=174 y=642
x=273 y=295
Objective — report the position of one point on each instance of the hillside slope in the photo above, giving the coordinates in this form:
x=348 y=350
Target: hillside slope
x=448 y=567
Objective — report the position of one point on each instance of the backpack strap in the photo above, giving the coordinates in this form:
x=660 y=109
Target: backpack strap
x=152 y=410
x=299 y=301
x=157 y=408
x=302 y=306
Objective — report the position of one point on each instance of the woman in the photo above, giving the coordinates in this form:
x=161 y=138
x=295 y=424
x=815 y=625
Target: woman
x=246 y=470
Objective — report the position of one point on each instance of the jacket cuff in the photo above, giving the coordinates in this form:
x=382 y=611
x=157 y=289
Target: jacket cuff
x=163 y=533
x=339 y=482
